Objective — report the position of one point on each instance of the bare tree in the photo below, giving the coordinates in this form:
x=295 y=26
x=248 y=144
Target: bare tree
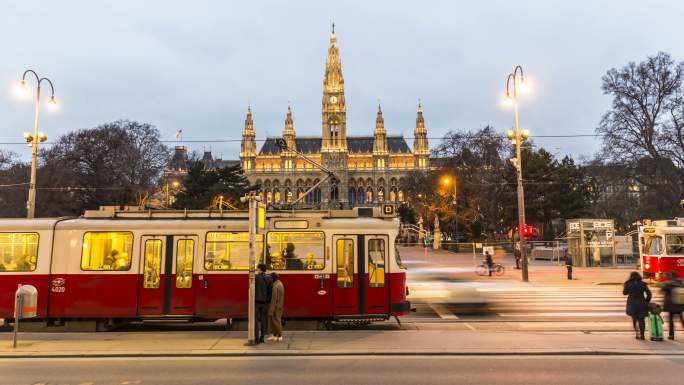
x=643 y=130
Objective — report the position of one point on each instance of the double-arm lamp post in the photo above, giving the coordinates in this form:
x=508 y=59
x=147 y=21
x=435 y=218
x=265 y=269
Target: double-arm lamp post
x=517 y=137
x=446 y=181
x=36 y=137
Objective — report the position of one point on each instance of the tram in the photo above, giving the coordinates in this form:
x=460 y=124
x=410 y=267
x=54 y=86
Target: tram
x=112 y=265
x=662 y=248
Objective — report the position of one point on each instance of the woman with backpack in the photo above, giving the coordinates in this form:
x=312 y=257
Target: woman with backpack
x=638 y=297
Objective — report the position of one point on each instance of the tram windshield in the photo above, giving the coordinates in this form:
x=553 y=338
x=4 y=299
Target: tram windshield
x=675 y=244
x=653 y=245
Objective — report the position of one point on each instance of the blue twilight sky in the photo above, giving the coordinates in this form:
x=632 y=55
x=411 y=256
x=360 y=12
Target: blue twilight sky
x=196 y=65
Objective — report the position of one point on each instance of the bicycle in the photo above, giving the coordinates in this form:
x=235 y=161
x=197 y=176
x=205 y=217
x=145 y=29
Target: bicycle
x=483 y=269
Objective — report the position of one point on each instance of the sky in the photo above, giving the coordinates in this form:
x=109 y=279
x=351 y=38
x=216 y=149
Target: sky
x=196 y=65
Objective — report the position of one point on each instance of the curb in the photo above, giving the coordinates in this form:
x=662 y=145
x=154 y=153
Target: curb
x=299 y=353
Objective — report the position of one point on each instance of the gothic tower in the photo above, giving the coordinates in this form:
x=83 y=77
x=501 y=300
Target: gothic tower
x=380 y=152
x=334 y=138
x=288 y=157
x=421 y=150
x=248 y=145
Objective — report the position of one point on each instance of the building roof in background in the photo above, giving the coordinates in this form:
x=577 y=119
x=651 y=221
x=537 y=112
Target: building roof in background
x=355 y=144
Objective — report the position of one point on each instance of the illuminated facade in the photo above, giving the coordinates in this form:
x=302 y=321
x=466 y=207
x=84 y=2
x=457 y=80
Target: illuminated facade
x=368 y=170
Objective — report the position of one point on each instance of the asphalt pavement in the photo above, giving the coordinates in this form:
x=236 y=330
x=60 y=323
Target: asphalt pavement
x=392 y=370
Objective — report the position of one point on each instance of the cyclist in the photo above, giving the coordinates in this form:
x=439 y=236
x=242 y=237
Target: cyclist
x=489 y=261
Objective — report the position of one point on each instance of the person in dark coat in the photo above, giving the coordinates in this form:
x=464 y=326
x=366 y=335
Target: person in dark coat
x=263 y=286
x=275 y=309
x=568 y=264
x=669 y=306
x=638 y=297
x=518 y=256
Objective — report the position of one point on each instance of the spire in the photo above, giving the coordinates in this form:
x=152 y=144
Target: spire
x=249 y=123
x=379 y=121
x=333 y=81
x=380 y=137
x=288 y=130
x=421 y=150
x=420 y=121
x=248 y=144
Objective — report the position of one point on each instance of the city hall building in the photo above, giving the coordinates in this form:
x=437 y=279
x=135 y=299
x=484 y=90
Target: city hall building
x=368 y=170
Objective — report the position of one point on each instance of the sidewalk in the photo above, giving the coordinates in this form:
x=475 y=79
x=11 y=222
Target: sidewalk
x=396 y=342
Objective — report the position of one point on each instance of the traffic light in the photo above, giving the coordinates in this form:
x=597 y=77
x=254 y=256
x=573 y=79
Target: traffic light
x=527 y=231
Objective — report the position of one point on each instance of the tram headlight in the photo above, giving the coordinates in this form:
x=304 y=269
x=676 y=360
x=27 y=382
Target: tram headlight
x=647 y=265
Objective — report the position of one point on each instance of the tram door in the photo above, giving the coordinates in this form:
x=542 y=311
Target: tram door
x=166 y=285
x=361 y=285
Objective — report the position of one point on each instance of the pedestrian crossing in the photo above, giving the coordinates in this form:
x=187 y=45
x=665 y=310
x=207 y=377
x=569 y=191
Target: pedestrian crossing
x=585 y=303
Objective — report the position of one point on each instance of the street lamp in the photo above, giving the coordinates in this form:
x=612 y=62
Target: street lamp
x=517 y=137
x=36 y=137
x=446 y=181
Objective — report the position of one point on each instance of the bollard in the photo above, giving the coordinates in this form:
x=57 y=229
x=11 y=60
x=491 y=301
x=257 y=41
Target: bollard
x=25 y=306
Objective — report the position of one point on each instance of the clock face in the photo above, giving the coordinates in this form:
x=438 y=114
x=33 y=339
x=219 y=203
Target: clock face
x=333 y=99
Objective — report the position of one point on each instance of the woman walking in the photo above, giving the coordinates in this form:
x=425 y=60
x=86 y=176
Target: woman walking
x=638 y=297
x=275 y=309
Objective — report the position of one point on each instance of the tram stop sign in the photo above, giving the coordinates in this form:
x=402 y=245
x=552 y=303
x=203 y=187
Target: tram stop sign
x=388 y=209
x=261 y=218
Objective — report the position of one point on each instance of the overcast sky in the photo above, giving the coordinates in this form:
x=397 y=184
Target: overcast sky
x=196 y=65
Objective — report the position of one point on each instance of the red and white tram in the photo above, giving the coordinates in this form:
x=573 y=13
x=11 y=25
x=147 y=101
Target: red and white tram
x=662 y=248
x=124 y=265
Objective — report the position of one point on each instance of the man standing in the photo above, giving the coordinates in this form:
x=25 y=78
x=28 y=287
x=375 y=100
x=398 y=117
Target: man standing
x=262 y=287
x=518 y=255
x=568 y=264
x=275 y=309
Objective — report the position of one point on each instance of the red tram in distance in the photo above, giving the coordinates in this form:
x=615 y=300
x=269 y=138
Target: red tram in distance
x=111 y=266
x=661 y=245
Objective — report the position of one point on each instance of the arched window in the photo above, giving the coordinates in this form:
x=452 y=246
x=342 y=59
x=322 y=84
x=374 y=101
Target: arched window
x=334 y=131
x=369 y=195
x=351 y=196
x=381 y=195
x=288 y=196
x=269 y=197
x=334 y=193
x=276 y=196
x=317 y=195
x=300 y=193
x=392 y=196
x=360 y=195
x=261 y=195
x=401 y=196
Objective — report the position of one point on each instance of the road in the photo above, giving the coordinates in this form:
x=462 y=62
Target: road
x=391 y=370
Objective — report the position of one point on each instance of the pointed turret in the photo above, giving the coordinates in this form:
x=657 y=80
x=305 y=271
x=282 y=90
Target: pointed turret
x=288 y=130
x=421 y=149
x=334 y=107
x=379 y=135
x=248 y=145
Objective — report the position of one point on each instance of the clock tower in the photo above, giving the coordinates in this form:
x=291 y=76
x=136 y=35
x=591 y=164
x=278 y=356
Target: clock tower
x=334 y=136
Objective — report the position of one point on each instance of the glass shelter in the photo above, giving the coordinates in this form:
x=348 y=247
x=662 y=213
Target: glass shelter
x=591 y=242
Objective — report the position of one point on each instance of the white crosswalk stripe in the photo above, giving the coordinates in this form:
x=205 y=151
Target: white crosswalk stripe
x=561 y=302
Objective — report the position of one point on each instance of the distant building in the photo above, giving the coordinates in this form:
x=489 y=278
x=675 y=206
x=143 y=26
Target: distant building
x=369 y=170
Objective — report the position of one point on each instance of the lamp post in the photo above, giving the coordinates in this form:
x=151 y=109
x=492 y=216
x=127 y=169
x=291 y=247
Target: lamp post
x=446 y=181
x=517 y=136
x=36 y=137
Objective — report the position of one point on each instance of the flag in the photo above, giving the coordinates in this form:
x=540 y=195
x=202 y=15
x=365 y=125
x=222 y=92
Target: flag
x=179 y=134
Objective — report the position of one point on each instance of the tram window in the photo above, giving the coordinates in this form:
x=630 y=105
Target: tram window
x=675 y=244
x=230 y=251
x=152 y=266
x=654 y=245
x=295 y=250
x=18 y=251
x=345 y=263
x=107 y=251
x=185 y=249
x=376 y=262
